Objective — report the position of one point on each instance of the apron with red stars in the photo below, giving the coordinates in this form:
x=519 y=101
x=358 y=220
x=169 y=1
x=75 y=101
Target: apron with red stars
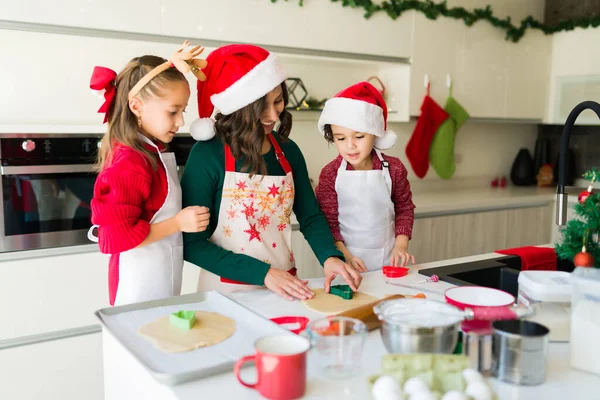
x=254 y=219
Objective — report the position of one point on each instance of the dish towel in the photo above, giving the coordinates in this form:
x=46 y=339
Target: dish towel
x=533 y=258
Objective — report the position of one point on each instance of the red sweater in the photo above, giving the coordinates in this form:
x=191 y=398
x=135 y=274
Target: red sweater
x=127 y=194
x=401 y=195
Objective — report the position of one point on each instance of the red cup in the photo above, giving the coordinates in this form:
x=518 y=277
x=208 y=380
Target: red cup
x=280 y=366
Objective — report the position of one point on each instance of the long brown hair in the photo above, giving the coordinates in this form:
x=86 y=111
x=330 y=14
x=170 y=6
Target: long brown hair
x=244 y=133
x=122 y=122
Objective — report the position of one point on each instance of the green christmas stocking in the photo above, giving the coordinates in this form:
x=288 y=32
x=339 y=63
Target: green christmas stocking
x=441 y=152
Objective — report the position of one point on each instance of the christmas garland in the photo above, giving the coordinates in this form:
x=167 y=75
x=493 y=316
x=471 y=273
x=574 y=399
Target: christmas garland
x=432 y=10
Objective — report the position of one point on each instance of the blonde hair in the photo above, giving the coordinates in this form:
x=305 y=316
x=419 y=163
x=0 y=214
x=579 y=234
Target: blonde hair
x=122 y=122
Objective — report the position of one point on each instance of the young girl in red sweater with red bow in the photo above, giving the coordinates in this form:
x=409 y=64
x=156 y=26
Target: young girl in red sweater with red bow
x=137 y=196
x=364 y=194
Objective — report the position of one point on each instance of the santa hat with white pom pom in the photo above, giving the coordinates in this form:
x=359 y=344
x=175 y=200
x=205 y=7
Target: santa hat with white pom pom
x=237 y=75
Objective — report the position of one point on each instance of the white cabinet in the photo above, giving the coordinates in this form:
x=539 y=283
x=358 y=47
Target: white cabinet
x=321 y=25
x=492 y=77
x=142 y=16
x=41 y=295
x=574 y=75
x=481 y=84
x=528 y=76
x=68 y=369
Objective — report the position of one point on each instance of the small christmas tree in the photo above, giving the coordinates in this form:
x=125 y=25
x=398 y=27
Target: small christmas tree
x=580 y=236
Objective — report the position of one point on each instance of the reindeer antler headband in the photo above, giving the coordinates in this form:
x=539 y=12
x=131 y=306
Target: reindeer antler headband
x=184 y=61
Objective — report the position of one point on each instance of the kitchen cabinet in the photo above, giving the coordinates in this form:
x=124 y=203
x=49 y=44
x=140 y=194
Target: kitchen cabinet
x=143 y=16
x=320 y=25
x=492 y=78
x=528 y=76
x=459 y=235
x=68 y=369
x=316 y=25
x=41 y=295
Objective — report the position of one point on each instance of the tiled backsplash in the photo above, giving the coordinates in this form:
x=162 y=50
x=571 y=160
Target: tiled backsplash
x=585 y=143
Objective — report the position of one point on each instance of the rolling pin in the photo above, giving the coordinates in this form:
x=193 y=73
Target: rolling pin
x=365 y=313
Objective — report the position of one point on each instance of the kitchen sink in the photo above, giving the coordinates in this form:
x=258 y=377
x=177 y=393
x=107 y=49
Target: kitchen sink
x=501 y=272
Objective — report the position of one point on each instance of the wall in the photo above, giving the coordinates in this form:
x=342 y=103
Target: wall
x=484 y=150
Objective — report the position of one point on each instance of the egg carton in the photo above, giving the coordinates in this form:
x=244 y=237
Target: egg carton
x=429 y=377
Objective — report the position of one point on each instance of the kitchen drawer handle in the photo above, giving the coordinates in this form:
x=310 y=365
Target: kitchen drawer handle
x=46 y=169
x=48 y=336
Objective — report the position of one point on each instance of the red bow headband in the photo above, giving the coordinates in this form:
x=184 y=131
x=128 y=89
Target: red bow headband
x=104 y=78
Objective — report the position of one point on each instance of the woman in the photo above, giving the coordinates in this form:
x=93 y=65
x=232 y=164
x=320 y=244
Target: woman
x=251 y=178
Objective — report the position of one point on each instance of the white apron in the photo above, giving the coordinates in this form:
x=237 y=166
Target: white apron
x=366 y=213
x=254 y=219
x=154 y=271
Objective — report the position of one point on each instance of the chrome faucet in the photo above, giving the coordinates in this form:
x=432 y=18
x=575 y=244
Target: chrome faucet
x=561 y=189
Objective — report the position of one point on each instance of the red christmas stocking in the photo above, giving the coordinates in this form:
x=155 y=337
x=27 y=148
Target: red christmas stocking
x=417 y=149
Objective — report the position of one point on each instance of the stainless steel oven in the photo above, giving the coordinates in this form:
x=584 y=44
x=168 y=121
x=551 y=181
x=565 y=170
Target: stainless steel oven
x=47 y=186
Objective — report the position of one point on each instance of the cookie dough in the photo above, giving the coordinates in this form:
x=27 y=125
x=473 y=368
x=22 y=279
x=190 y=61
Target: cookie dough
x=210 y=328
x=329 y=304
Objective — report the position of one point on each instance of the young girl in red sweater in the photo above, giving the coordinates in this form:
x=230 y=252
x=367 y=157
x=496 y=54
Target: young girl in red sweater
x=137 y=196
x=364 y=194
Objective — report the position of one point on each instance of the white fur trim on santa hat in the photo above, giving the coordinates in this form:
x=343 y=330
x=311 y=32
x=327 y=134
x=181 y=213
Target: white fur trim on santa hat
x=386 y=141
x=357 y=115
x=203 y=129
x=263 y=78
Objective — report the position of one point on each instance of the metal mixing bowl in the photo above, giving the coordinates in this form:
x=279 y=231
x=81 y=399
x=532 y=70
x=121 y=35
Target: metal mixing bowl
x=418 y=326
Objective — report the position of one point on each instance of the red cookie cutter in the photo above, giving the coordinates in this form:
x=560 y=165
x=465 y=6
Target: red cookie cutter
x=395 y=272
x=289 y=320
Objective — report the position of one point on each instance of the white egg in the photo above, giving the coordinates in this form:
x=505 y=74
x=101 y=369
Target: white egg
x=471 y=375
x=423 y=395
x=478 y=390
x=414 y=385
x=455 y=395
x=386 y=388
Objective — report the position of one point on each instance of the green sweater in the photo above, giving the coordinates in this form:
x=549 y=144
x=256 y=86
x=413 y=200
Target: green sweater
x=202 y=184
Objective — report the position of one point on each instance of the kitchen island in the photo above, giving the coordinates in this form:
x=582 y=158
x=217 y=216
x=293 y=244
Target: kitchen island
x=126 y=379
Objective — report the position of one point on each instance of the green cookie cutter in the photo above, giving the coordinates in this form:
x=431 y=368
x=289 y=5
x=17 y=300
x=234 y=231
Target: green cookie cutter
x=343 y=291
x=183 y=319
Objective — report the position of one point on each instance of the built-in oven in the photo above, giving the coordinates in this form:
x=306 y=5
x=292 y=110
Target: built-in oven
x=47 y=185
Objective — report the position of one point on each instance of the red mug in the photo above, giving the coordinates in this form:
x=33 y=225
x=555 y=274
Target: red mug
x=280 y=367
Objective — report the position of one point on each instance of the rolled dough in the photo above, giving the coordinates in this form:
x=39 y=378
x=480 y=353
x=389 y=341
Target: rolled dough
x=210 y=328
x=326 y=303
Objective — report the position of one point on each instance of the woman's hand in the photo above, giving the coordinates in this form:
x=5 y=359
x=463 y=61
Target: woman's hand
x=400 y=257
x=333 y=267
x=287 y=285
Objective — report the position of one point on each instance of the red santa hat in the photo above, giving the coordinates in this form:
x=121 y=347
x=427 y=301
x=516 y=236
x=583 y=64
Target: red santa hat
x=237 y=75
x=362 y=109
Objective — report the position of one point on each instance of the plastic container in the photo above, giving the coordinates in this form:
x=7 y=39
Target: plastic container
x=549 y=294
x=585 y=319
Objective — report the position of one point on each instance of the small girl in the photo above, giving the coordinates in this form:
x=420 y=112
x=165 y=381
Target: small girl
x=137 y=196
x=364 y=194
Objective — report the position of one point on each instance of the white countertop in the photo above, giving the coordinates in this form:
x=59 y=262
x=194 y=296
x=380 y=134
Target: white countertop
x=125 y=378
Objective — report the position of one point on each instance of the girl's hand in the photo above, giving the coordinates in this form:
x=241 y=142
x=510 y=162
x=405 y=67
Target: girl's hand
x=193 y=219
x=287 y=286
x=357 y=263
x=334 y=266
x=400 y=257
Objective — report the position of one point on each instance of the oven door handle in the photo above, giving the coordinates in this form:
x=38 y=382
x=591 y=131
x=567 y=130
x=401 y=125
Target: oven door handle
x=46 y=169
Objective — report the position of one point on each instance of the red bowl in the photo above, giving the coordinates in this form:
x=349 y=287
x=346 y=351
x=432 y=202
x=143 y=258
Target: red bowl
x=394 y=272
x=477 y=296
